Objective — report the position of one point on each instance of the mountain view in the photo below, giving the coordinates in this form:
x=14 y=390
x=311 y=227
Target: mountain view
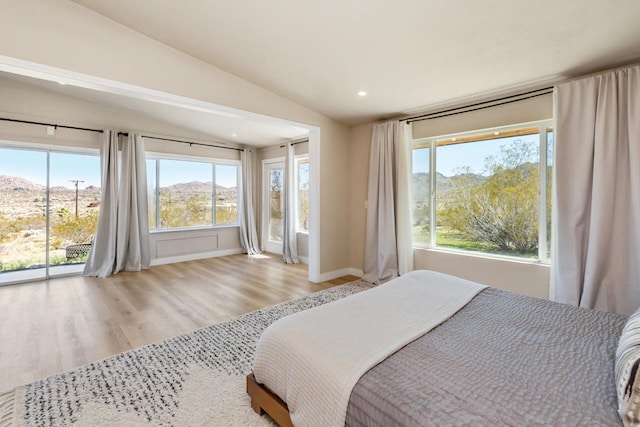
x=23 y=217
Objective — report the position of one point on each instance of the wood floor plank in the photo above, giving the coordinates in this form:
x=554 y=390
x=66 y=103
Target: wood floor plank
x=51 y=326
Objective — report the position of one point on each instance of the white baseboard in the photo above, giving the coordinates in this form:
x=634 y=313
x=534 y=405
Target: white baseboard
x=356 y=272
x=330 y=275
x=193 y=257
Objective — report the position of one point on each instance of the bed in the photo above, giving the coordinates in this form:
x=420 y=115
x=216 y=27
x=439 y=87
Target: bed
x=433 y=349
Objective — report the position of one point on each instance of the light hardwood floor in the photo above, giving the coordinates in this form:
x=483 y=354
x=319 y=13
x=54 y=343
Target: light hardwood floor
x=47 y=327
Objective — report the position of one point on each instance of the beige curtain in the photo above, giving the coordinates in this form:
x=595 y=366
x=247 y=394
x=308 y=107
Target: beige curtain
x=122 y=237
x=248 y=226
x=596 y=243
x=289 y=236
x=388 y=246
x=404 y=205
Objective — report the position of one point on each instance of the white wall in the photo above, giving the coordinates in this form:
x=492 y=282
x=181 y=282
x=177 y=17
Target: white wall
x=359 y=151
x=529 y=278
x=522 y=277
x=539 y=108
x=22 y=101
x=62 y=34
x=186 y=245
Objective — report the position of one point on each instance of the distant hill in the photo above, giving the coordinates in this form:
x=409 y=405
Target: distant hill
x=188 y=187
x=194 y=186
x=421 y=186
x=20 y=197
x=14 y=183
x=17 y=183
x=444 y=184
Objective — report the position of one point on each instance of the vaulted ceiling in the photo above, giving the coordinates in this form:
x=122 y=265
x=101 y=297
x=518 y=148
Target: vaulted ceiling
x=408 y=55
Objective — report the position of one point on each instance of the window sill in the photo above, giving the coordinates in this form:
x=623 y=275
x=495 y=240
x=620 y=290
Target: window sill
x=175 y=230
x=484 y=255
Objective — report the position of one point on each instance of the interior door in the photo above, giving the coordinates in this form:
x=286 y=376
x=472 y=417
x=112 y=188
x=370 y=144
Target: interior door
x=273 y=206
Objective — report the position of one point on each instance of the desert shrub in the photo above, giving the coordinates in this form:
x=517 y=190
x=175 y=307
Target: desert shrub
x=71 y=229
x=502 y=209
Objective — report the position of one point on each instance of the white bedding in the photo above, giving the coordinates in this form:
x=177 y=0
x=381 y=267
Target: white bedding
x=313 y=359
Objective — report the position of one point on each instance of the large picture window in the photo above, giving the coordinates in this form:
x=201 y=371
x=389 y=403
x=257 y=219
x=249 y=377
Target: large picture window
x=191 y=193
x=486 y=191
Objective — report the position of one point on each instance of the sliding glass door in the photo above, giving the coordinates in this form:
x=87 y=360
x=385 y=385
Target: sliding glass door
x=49 y=211
x=74 y=204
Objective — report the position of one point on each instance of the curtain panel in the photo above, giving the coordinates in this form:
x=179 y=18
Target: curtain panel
x=388 y=244
x=596 y=239
x=248 y=227
x=122 y=236
x=289 y=236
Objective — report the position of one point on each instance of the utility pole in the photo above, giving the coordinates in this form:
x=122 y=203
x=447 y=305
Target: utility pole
x=76 y=181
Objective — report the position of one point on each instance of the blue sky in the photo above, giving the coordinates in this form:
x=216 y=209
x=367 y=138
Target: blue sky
x=452 y=157
x=31 y=165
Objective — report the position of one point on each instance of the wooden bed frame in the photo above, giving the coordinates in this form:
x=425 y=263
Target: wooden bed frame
x=264 y=401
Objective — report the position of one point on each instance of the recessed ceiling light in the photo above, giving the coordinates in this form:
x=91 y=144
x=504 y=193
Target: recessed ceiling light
x=362 y=93
x=234 y=134
x=62 y=83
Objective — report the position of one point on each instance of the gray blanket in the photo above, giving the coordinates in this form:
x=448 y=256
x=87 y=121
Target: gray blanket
x=504 y=359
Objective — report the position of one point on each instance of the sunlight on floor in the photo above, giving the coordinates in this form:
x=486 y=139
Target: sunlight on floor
x=260 y=256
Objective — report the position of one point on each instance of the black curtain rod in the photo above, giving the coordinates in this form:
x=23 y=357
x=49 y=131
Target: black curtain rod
x=29 y=122
x=481 y=105
x=295 y=143
x=185 y=142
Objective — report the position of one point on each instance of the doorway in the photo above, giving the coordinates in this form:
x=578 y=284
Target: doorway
x=273 y=205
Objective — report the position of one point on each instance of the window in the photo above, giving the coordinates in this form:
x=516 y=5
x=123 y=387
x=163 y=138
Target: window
x=302 y=194
x=484 y=191
x=421 y=193
x=49 y=210
x=190 y=193
x=226 y=194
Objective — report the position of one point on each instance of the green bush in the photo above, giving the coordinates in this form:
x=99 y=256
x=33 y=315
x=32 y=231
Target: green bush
x=69 y=229
x=501 y=210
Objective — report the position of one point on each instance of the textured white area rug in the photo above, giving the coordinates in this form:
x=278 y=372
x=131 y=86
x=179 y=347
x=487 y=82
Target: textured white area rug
x=195 y=379
x=209 y=399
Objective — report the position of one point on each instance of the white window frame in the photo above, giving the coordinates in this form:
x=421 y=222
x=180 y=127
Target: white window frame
x=431 y=143
x=301 y=158
x=267 y=164
x=155 y=156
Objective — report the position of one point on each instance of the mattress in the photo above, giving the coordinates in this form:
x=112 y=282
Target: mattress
x=313 y=359
x=503 y=359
